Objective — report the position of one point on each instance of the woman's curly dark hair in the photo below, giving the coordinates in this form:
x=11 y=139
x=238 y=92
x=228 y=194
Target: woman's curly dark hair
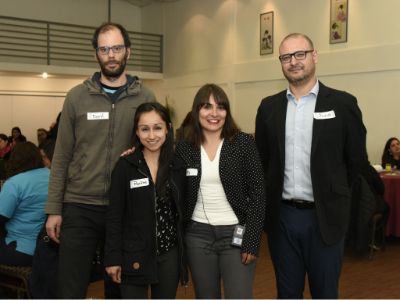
x=24 y=156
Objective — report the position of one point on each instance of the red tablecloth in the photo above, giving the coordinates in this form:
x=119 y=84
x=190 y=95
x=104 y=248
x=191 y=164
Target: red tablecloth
x=392 y=197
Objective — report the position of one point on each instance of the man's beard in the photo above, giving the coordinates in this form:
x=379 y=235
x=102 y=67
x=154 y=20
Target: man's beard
x=116 y=73
x=298 y=81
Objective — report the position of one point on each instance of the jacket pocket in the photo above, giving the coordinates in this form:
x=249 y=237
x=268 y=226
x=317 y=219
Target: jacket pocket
x=134 y=256
x=75 y=168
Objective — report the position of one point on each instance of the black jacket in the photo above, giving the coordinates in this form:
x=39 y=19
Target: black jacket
x=241 y=175
x=338 y=152
x=131 y=220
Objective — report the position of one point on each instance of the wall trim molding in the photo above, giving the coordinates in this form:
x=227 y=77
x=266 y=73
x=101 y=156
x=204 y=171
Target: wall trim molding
x=33 y=93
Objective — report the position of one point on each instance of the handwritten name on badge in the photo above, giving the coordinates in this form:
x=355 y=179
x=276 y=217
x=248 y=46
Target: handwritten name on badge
x=97 y=115
x=324 y=115
x=192 y=172
x=139 y=183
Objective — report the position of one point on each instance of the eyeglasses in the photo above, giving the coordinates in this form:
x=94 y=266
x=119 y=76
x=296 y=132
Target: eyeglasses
x=299 y=55
x=104 y=50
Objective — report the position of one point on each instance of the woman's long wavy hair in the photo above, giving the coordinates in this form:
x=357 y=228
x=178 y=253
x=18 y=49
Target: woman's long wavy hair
x=386 y=155
x=193 y=131
x=167 y=149
x=24 y=156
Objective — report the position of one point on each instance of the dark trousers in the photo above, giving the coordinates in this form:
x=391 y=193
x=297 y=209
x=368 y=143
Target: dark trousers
x=10 y=256
x=168 y=278
x=297 y=250
x=82 y=232
x=212 y=258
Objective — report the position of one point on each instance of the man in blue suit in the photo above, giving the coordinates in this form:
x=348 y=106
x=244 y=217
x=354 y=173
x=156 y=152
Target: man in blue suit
x=311 y=140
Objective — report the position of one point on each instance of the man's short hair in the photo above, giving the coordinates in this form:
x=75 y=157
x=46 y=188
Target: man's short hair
x=109 y=26
x=295 y=35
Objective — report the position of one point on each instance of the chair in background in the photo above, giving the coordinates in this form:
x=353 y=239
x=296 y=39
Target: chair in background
x=378 y=228
x=15 y=278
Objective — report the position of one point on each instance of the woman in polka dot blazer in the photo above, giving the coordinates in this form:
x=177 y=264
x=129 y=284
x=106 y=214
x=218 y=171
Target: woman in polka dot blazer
x=225 y=193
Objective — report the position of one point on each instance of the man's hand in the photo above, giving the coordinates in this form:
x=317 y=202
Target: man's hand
x=53 y=227
x=115 y=273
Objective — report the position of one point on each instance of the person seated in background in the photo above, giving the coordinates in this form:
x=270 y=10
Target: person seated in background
x=54 y=128
x=47 y=151
x=4 y=154
x=4 y=146
x=377 y=187
x=391 y=153
x=17 y=136
x=22 y=200
x=367 y=201
x=42 y=135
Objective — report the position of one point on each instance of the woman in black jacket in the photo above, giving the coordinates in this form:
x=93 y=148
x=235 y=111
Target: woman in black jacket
x=144 y=245
x=225 y=194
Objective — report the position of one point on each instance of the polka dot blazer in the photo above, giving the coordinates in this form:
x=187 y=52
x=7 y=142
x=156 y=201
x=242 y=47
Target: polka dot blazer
x=243 y=182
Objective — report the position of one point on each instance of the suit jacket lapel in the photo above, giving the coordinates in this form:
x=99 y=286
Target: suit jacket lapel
x=281 y=125
x=322 y=105
x=226 y=151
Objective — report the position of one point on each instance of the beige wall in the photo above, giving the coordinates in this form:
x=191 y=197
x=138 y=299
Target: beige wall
x=31 y=102
x=79 y=12
x=217 y=41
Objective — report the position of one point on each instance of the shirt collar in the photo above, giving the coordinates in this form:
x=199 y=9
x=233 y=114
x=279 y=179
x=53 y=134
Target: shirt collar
x=314 y=91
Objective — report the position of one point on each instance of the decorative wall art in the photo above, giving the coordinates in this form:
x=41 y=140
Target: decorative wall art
x=267 y=33
x=338 y=21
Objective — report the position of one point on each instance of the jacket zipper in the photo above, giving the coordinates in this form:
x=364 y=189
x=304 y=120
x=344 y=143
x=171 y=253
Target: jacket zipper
x=155 y=210
x=185 y=283
x=109 y=147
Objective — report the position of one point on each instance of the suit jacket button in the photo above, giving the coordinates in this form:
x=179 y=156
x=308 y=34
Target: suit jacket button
x=136 y=266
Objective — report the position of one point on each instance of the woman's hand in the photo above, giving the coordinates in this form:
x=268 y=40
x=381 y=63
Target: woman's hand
x=115 y=273
x=128 y=151
x=247 y=258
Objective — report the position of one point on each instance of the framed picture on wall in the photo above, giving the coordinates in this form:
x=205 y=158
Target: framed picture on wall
x=338 y=21
x=267 y=33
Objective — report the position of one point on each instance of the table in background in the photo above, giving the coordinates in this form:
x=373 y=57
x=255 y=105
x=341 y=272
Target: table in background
x=392 y=198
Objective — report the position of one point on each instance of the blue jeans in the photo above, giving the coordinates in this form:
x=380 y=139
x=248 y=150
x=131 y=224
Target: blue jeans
x=212 y=258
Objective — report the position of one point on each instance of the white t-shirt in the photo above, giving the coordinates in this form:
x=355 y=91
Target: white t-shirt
x=212 y=206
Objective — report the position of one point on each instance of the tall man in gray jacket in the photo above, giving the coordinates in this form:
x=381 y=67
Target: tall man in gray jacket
x=96 y=125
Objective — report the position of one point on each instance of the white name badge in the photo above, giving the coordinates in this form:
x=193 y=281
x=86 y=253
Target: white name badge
x=192 y=172
x=139 y=183
x=97 y=115
x=324 y=115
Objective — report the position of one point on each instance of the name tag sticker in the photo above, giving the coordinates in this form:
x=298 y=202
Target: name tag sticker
x=192 y=172
x=324 y=115
x=139 y=183
x=97 y=115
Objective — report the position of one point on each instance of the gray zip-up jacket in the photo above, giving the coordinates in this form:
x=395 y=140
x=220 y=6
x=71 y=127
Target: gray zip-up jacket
x=93 y=132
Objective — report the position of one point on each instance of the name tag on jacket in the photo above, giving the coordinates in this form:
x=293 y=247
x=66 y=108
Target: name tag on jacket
x=136 y=183
x=97 y=115
x=324 y=115
x=191 y=172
